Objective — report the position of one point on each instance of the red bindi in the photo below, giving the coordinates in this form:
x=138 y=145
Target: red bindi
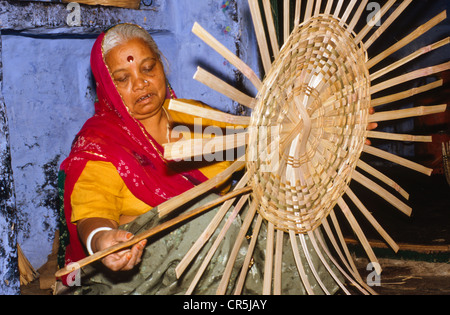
x=130 y=59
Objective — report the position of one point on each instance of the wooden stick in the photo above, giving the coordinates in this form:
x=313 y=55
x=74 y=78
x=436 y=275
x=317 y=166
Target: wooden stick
x=407 y=113
x=260 y=34
x=194 y=110
x=271 y=28
x=383 y=193
x=224 y=88
x=409 y=77
x=298 y=7
x=376 y=18
x=374 y=172
x=387 y=23
x=372 y=220
x=227 y=54
x=192 y=148
x=337 y=10
x=408 y=39
x=268 y=264
x=409 y=58
x=318 y=7
x=405 y=94
x=359 y=233
x=216 y=244
x=209 y=231
x=398 y=137
x=308 y=11
x=299 y=263
x=398 y=160
x=221 y=290
x=248 y=256
x=347 y=12
x=174 y=203
x=328 y=7
x=278 y=263
x=149 y=233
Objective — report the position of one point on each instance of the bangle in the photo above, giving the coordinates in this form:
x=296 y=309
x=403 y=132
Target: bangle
x=91 y=235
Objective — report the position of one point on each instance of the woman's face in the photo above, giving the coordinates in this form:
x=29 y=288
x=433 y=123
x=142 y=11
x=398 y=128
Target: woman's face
x=139 y=76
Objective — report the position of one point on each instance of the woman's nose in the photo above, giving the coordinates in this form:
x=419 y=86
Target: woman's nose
x=139 y=83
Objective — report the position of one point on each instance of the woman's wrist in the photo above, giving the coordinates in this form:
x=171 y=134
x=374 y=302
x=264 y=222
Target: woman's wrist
x=91 y=237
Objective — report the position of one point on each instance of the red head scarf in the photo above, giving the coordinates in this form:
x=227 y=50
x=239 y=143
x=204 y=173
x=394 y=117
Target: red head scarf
x=114 y=136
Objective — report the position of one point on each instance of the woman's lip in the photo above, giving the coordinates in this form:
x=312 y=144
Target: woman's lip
x=144 y=98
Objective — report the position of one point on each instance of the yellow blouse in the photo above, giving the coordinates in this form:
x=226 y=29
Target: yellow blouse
x=100 y=192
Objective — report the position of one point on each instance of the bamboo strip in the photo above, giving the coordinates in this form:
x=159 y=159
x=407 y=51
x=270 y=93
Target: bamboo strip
x=271 y=28
x=318 y=7
x=260 y=34
x=325 y=263
x=359 y=233
x=183 y=150
x=311 y=264
x=347 y=12
x=398 y=137
x=387 y=23
x=338 y=9
x=221 y=290
x=309 y=10
x=286 y=20
x=147 y=234
x=224 y=88
x=227 y=54
x=299 y=263
x=407 y=113
x=278 y=263
x=353 y=280
x=357 y=15
x=174 y=203
x=248 y=257
x=298 y=7
x=372 y=220
x=268 y=264
x=209 y=231
x=376 y=18
x=405 y=94
x=349 y=260
x=383 y=193
x=328 y=7
x=194 y=110
x=216 y=244
x=374 y=172
x=129 y=4
x=27 y=273
x=408 y=39
x=409 y=77
x=411 y=57
x=398 y=160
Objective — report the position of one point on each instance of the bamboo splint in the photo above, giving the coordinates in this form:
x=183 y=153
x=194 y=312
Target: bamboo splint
x=260 y=34
x=187 y=150
x=299 y=263
x=271 y=28
x=405 y=94
x=375 y=19
x=227 y=54
x=357 y=16
x=409 y=77
x=398 y=160
x=402 y=7
x=209 y=231
x=27 y=273
x=398 y=137
x=407 y=113
x=149 y=233
x=268 y=264
x=224 y=88
x=130 y=4
x=176 y=202
x=408 y=39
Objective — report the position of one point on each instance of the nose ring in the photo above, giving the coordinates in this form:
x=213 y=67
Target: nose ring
x=145 y=81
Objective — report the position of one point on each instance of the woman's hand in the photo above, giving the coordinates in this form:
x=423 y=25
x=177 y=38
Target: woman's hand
x=371 y=126
x=123 y=260
x=120 y=261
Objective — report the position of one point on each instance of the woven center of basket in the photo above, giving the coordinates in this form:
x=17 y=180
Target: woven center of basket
x=309 y=125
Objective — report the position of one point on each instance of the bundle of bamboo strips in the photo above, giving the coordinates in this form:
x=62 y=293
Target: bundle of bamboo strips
x=27 y=273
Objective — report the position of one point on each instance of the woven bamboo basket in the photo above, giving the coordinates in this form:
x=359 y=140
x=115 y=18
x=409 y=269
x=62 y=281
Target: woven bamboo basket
x=130 y=4
x=308 y=130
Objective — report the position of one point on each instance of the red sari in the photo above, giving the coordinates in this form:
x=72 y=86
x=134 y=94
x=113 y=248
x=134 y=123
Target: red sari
x=112 y=135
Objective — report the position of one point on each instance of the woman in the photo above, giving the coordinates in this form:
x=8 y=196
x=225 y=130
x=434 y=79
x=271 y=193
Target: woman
x=116 y=171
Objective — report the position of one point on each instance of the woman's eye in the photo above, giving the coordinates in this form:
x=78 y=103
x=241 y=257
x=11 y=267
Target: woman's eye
x=121 y=79
x=149 y=68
